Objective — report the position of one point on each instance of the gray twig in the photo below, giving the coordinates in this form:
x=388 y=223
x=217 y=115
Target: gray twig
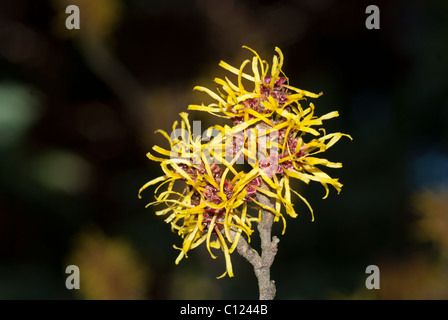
x=262 y=263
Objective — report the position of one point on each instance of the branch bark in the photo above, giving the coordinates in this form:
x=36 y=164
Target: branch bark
x=268 y=250
x=262 y=263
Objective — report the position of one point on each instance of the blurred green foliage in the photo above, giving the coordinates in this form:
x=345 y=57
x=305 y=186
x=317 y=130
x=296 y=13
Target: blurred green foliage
x=78 y=111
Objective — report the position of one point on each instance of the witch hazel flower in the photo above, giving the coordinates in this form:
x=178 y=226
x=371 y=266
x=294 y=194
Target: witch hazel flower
x=211 y=207
x=277 y=107
x=274 y=136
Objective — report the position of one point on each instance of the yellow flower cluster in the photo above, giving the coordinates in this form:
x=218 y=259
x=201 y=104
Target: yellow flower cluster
x=270 y=132
x=275 y=106
x=208 y=203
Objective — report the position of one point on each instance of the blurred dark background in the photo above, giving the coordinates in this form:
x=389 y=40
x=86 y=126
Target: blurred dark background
x=78 y=111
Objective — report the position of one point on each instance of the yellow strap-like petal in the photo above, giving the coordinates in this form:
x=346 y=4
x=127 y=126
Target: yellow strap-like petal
x=150 y=183
x=235 y=71
x=306 y=202
x=240 y=75
x=210 y=93
x=209 y=234
x=329 y=115
x=225 y=249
